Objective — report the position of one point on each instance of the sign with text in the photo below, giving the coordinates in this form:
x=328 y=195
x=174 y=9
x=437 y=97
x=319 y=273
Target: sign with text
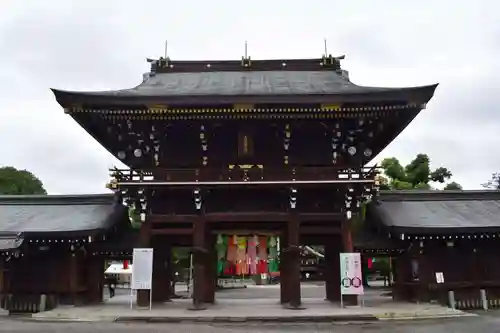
x=142 y=269
x=351 y=279
x=439 y=277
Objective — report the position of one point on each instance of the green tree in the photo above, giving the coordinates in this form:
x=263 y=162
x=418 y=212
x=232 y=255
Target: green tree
x=416 y=175
x=134 y=217
x=19 y=182
x=453 y=186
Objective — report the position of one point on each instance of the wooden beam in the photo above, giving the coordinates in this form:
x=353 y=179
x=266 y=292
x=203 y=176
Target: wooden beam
x=304 y=217
x=172 y=231
x=244 y=217
x=319 y=231
x=247 y=232
x=172 y=218
x=303 y=231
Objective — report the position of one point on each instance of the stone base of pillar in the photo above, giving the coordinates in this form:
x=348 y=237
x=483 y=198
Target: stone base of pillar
x=290 y=306
x=197 y=307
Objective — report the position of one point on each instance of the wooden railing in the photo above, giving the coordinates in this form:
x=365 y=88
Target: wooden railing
x=236 y=174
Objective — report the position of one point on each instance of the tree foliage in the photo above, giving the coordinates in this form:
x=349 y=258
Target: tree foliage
x=19 y=182
x=453 y=186
x=134 y=217
x=494 y=182
x=416 y=175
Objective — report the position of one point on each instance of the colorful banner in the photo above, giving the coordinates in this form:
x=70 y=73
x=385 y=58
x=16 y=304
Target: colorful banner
x=247 y=255
x=351 y=279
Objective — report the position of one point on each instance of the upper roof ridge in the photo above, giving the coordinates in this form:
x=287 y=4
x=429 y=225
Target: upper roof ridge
x=165 y=65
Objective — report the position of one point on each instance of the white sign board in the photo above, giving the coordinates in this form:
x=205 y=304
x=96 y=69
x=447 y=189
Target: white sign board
x=142 y=269
x=351 y=279
x=439 y=277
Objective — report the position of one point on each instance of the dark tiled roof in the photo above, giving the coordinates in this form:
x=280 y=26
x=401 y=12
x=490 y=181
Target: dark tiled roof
x=71 y=215
x=420 y=212
x=243 y=83
x=176 y=86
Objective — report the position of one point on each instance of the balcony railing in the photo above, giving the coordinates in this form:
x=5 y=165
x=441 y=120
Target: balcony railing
x=237 y=175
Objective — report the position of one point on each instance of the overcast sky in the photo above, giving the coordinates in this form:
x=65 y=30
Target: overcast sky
x=89 y=45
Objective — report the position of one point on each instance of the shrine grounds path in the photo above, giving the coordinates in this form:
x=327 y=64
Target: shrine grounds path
x=485 y=323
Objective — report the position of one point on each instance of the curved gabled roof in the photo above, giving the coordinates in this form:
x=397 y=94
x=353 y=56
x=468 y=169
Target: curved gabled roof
x=230 y=86
x=64 y=215
x=438 y=212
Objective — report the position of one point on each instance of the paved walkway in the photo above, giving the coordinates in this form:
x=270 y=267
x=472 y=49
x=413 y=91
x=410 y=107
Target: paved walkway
x=237 y=306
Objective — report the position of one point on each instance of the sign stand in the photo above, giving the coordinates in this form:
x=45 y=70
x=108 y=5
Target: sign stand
x=351 y=278
x=142 y=273
x=150 y=298
x=131 y=298
x=190 y=282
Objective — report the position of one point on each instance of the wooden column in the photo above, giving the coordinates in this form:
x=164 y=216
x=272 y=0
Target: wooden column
x=169 y=272
x=349 y=248
x=294 y=264
x=402 y=267
x=95 y=280
x=199 y=258
x=210 y=268
x=333 y=247
x=284 y=264
x=144 y=242
x=73 y=277
x=161 y=276
x=347 y=236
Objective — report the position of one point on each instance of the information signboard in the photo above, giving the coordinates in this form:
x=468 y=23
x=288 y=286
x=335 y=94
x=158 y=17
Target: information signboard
x=439 y=277
x=351 y=279
x=142 y=269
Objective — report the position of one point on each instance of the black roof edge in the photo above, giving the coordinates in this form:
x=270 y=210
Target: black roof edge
x=417 y=94
x=74 y=199
x=116 y=216
x=438 y=195
x=420 y=231
x=7 y=235
x=63 y=234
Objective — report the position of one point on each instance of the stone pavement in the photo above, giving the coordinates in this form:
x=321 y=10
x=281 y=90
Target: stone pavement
x=239 y=306
x=482 y=324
